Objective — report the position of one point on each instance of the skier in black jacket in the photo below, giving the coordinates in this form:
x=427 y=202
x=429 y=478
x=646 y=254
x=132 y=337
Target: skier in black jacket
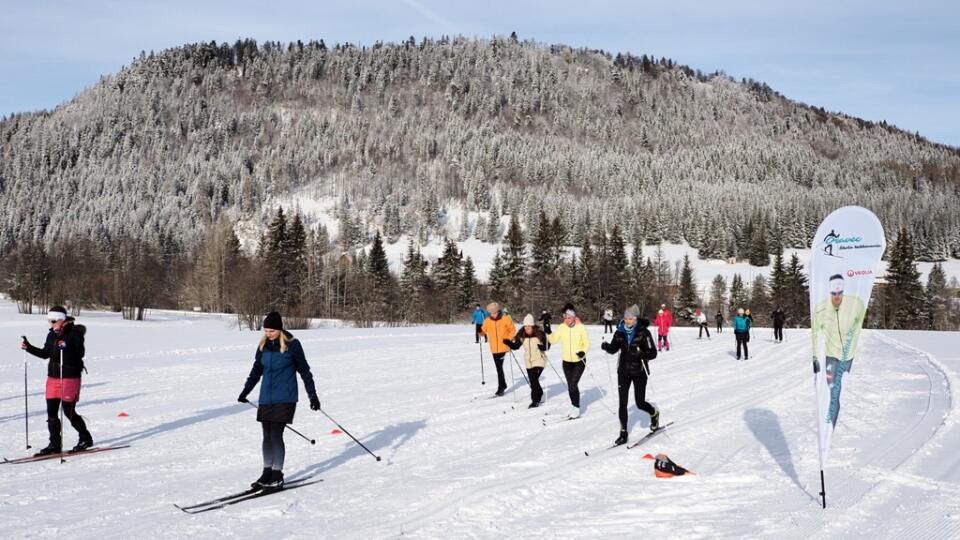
x=64 y=340
x=636 y=347
x=545 y=319
x=778 y=318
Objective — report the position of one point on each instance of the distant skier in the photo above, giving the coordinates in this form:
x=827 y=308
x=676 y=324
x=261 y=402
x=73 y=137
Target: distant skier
x=572 y=336
x=741 y=331
x=479 y=315
x=635 y=345
x=278 y=359
x=701 y=319
x=65 y=339
x=607 y=321
x=719 y=318
x=778 y=318
x=545 y=320
x=663 y=320
x=534 y=343
x=498 y=326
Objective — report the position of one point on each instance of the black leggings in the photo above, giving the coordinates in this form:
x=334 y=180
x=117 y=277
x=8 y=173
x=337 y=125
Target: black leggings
x=501 y=380
x=742 y=340
x=536 y=393
x=639 y=392
x=704 y=328
x=778 y=332
x=70 y=411
x=274 y=450
x=573 y=371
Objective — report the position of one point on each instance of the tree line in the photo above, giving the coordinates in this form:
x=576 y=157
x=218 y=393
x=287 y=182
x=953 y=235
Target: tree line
x=306 y=274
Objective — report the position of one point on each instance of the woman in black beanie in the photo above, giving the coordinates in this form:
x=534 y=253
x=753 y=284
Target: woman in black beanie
x=277 y=359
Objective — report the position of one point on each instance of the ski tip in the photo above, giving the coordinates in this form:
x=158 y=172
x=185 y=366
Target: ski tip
x=586 y=453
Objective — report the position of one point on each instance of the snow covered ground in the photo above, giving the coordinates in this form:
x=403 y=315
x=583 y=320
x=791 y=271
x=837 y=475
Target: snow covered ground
x=459 y=465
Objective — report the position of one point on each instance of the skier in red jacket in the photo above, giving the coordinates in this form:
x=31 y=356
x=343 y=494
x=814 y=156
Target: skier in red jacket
x=663 y=320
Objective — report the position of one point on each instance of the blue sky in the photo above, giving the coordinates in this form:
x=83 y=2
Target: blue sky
x=880 y=60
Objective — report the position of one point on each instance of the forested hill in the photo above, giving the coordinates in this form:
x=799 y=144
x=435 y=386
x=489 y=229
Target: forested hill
x=405 y=131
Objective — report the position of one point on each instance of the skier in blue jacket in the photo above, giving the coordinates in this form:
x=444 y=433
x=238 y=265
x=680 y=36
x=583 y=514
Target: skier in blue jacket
x=479 y=315
x=277 y=361
x=741 y=331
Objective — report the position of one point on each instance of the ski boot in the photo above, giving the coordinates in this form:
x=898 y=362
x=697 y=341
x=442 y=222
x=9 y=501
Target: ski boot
x=275 y=483
x=574 y=413
x=85 y=443
x=264 y=478
x=655 y=420
x=622 y=439
x=52 y=448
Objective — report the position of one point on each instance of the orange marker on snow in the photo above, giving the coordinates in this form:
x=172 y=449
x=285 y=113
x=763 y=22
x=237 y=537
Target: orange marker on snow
x=122 y=414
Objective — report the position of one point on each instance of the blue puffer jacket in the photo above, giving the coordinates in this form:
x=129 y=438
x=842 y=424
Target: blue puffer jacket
x=479 y=315
x=741 y=325
x=279 y=370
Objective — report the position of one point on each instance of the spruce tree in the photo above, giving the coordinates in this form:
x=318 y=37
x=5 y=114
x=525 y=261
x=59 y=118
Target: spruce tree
x=738 y=295
x=718 y=294
x=796 y=294
x=687 y=301
x=937 y=300
x=903 y=299
x=468 y=285
x=778 y=280
x=514 y=263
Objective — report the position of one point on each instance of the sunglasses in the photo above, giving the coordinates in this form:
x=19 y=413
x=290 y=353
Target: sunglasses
x=53 y=321
x=838 y=293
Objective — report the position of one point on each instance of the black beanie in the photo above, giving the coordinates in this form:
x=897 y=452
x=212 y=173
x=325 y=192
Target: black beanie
x=273 y=321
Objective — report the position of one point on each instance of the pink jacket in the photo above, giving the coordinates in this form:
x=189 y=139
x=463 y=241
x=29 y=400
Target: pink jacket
x=663 y=322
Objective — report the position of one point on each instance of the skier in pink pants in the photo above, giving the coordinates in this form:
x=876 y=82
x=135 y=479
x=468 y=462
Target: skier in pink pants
x=663 y=320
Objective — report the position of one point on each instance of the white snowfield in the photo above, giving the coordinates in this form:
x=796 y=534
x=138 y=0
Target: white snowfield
x=459 y=465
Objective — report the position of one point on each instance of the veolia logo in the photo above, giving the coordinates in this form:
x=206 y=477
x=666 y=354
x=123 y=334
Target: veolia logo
x=856 y=273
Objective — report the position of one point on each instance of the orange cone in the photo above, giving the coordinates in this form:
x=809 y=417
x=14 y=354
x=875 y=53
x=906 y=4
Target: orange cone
x=336 y=431
x=122 y=414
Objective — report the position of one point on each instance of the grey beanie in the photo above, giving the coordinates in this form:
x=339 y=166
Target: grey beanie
x=632 y=312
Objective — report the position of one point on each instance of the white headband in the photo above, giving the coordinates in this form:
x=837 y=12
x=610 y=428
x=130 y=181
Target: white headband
x=56 y=316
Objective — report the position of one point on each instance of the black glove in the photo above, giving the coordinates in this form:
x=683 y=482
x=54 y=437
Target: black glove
x=605 y=346
x=243 y=398
x=506 y=342
x=581 y=355
x=24 y=344
x=314 y=403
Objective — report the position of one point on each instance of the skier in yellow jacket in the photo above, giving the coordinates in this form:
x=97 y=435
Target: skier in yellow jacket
x=572 y=336
x=839 y=320
x=497 y=327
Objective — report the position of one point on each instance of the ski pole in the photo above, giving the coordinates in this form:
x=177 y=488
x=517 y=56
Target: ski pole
x=26 y=408
x=564 y=381
x=609 y=373
x=483 y=379
x=351 y=436
x=520 y=367
x=603 y=395
x=312 y=441
x=513 y=381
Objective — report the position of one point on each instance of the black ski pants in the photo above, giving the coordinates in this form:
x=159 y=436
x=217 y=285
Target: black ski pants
x=501 y=380
x=704 y=328
x=640 y=395
x=573 y=371
x=70 y=411
x=742 y=339
x=607 y=326
x=274 y=451
x=778 y=332
x=536 y=391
